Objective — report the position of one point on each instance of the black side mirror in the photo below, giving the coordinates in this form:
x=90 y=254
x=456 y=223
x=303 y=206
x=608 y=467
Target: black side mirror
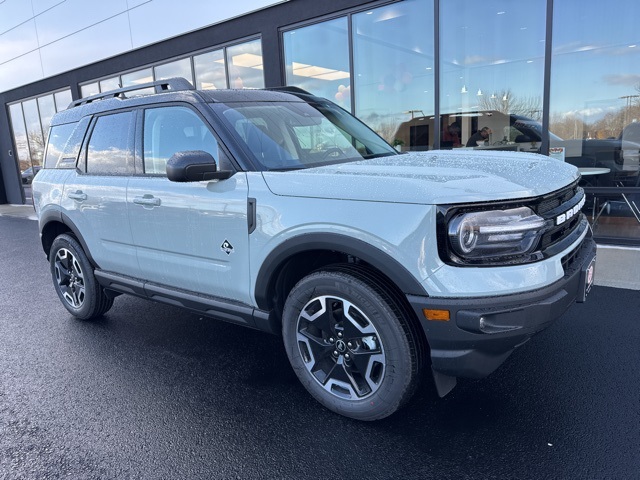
x=194 y=166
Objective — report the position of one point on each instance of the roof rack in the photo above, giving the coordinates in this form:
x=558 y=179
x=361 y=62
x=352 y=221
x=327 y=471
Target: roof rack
x=289 y=88
x=159 y=86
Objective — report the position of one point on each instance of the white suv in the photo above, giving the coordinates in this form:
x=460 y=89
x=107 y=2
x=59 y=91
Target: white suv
x=280 y=211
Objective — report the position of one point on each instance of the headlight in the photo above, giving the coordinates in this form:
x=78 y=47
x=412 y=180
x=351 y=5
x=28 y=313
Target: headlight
x=495 y=233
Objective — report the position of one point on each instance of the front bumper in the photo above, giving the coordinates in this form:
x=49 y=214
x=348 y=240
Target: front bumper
x=482 y=332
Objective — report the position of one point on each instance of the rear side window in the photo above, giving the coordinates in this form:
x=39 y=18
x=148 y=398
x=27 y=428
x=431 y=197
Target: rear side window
x=58 y=138
x=64 y=144
x=110 y=148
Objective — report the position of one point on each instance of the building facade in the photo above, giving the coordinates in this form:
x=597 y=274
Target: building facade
x=555 y=77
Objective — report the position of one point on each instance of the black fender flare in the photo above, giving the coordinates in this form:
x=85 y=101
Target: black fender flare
x=59 y=217
x=377 y=258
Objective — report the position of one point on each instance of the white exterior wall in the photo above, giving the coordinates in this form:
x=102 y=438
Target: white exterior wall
x=41 y=38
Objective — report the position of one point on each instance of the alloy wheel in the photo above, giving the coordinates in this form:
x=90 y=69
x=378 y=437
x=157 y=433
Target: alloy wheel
x=340 y=347
x=70 y=278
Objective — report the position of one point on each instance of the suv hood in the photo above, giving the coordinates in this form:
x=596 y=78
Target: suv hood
x=436 y=177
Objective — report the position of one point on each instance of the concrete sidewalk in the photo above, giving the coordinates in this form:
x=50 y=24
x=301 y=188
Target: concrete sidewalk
x=21 y=211
x=617 y=267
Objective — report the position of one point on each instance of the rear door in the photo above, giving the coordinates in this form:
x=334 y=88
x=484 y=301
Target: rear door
x=95 y=195
x=190 y=236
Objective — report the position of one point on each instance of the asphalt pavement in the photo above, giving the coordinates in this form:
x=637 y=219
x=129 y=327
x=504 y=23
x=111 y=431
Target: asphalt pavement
x=154 y=392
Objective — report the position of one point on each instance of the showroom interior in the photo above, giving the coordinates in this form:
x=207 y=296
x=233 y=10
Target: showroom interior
x=539 y=77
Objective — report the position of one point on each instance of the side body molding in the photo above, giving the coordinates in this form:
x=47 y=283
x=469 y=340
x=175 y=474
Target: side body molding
x=377 y=258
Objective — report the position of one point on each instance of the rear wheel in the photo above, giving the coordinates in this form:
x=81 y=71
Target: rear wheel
x=350 y=343
x=74 y=281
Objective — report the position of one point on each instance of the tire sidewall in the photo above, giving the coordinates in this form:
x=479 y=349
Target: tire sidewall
x=398 y=363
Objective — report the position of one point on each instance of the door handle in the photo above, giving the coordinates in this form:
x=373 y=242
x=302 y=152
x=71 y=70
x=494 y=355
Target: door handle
x=77 y=195
x=147 y=201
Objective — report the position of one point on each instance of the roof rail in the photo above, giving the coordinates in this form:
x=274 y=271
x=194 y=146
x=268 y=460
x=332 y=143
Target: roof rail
x=289 y=88
x=159 y=86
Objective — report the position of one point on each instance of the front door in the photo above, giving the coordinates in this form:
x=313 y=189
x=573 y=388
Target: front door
x=191 y=236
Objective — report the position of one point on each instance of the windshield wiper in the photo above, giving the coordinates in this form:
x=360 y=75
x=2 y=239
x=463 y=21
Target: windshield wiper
x=286 y=169
x=378 y=155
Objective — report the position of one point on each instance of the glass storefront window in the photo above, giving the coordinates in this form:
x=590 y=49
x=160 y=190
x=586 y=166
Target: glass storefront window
x=89 y=89
x=34 y=131
x=63 y=99
x=179 y=68
x=491 y=74
x=109 y=84
x=210 y=70
x=21 y=153
x=47 y=108
x=30 y=122
x=244 y=62
x=595 y=108
x=317 y=60
x=138 y=77
x=394 y=93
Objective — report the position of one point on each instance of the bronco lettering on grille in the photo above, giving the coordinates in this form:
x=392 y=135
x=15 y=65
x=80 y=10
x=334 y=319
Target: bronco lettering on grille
x=569 y=214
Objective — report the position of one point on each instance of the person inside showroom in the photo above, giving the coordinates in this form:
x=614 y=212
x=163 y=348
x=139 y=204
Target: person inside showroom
x=481 y=136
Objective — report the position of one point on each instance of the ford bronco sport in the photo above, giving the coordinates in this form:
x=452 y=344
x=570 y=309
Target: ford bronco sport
x=280 y=211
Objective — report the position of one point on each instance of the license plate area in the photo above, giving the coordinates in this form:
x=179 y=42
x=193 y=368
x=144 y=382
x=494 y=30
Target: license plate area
x=587 y=275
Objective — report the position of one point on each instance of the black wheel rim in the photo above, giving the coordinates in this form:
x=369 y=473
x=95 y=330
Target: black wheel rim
x=69 y=278
x=340 y=347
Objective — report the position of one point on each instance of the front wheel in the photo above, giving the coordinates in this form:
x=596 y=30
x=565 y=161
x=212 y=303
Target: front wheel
x=351 y=344
x=74 y=281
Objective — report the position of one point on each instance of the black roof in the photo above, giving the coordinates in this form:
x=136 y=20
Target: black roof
x=246 y=95
x=173 y=90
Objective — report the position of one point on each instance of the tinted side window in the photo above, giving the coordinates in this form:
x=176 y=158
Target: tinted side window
x=110 y=149
x=58 y=137
x=168 y=130
x=69 y=155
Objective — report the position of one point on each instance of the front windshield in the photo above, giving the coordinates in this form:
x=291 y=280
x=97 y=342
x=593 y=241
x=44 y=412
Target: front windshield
x=293 y=135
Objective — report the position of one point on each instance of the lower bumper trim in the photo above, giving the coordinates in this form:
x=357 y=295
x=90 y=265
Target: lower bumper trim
x=483 y=332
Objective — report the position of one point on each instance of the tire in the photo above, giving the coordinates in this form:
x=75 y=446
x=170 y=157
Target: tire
x=74 y=281
x=350 y=343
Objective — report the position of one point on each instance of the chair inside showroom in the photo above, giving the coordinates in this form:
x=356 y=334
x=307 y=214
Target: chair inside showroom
x=610 y=203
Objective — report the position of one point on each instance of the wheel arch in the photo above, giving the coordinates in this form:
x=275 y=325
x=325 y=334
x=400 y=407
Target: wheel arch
x=56 y=223
x=305 y=253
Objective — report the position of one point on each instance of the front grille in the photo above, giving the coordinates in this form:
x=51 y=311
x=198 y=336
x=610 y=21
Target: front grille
x=554 y=205
x=557 y=235
x=556 y=199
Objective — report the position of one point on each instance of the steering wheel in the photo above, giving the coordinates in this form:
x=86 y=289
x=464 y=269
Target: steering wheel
x=333 y=152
